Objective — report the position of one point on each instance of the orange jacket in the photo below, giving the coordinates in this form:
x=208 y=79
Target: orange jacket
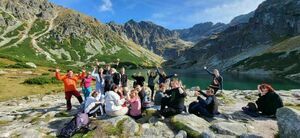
x=69 y=83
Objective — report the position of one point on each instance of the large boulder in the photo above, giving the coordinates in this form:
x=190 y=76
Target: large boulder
x=129 y=126
x=192 y=124
x=230 y=128
x=288 y=121
x=157 y=129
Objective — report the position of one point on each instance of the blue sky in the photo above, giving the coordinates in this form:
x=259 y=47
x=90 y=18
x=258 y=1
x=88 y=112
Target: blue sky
x=172 y=14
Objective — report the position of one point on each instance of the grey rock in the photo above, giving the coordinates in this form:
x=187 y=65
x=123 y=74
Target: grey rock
x=131 y=127
x=190 y=123
x=181 y=134
x=251 y=135
x=229 y=128
x=208 y=134
x=31 y=64
x=288 y=121
x=32 y=133
x=158 y=130
x=7 y=118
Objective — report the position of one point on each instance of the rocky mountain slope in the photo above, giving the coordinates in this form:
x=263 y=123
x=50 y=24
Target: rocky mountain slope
x=273 y=22
x=46 y=34
x=201 y=31
x=156 y=38
x=244 y=18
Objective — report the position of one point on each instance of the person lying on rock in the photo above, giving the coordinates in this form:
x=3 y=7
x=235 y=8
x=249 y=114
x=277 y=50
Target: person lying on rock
x=217 y=82
x=266 y=104
x=92 y=106
x=135 y=107
x=207 y=107
x=114 y=104
x=173 y=102
x=70 y=82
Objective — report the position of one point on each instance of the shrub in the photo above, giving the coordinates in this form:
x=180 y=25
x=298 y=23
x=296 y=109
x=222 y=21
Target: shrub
x=18 y=65
x=41 y=80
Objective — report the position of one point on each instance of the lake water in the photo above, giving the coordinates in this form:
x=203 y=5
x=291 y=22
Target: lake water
x=231 y=81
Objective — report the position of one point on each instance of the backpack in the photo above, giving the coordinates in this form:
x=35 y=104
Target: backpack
x=80 y=121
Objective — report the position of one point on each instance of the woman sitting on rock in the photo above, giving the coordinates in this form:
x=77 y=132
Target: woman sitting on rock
x=208 y=107
x=267 y=103
x=146 y=103
x=92 y=106
x=134 y=105
x=113 y=103
x=174 y=100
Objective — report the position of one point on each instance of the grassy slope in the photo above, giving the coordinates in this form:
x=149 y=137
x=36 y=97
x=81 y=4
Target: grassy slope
x=282 y=58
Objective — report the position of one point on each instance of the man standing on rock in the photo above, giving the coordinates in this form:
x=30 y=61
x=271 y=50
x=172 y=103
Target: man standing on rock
x=70 y=82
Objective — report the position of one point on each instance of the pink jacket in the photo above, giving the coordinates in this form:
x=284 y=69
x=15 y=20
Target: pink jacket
x=135 y=104
x=87 y=82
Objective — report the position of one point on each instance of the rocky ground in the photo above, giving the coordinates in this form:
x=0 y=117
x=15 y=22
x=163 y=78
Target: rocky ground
x=44 y=115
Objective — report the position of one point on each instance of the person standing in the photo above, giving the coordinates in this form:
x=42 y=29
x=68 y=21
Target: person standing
x=99 y=80
x=139 y=79
x=217 y=82
x=163 y=76
x=70 y=82
x=151 y=77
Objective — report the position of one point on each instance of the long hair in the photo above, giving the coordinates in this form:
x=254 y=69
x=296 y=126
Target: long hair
x=268 y=87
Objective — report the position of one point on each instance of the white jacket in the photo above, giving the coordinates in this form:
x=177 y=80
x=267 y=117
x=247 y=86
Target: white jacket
x=113 y=102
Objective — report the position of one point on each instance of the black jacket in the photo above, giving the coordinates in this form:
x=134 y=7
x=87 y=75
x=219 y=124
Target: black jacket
x=116 y=78
x=124 y=80
x=211 y=103
x=139 y=80
x=269 y=103
x=176 y=99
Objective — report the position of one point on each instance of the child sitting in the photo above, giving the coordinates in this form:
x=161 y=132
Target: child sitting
x=92 y=106
x=134 y=104
x=208 y=107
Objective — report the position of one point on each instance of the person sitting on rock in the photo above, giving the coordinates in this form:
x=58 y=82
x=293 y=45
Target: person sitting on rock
x=146 y=103
x=173 y=102
x=139 y=79
x=267 y=103
x=207 y=107
x=134 y=102
x=70 y=82
x=217 y=82
x=113 y=103
x=159 y=95
x=92 y=106
x=163 y=76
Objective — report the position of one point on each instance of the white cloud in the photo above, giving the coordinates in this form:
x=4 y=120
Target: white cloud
x=106 y=5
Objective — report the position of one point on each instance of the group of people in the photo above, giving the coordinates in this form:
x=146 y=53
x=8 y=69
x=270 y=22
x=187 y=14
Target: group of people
x=113 y=97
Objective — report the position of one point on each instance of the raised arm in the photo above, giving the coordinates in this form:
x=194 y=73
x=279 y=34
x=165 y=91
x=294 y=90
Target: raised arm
x=94 y=74
x=202 y=93
x=58 y=76
x=209 y=72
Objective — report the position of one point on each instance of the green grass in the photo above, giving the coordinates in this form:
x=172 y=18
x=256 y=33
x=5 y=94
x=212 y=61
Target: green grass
x=24 y=52
x=11 y=42
x=273 y=62
x=18 y=65
x=179 y=126
x=41 y=81
x=39 y=26
x=16 y=31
